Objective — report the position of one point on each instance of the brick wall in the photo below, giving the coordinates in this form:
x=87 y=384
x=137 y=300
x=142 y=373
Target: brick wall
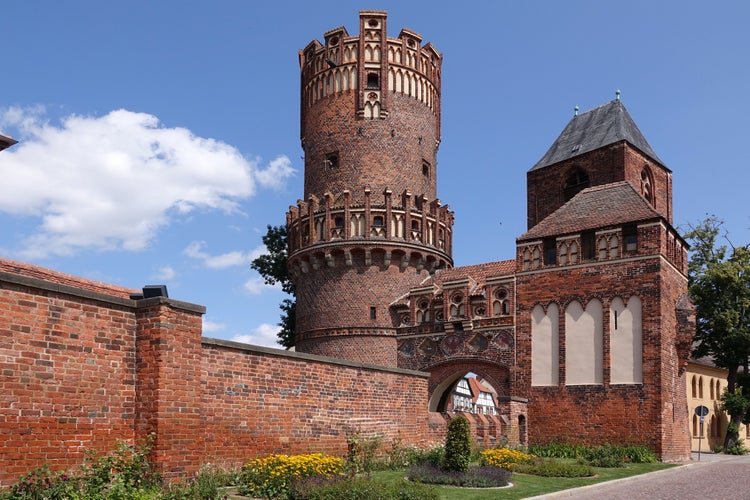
x=651 y=413
x=81 y=369
x=67 y=370
x=613 y=163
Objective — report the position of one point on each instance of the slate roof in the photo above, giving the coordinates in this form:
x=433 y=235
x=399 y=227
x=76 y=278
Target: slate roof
x=593 y=208
x=596 y=128
x=6 y=141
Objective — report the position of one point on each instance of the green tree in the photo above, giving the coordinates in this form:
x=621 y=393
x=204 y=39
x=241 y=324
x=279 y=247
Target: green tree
x=719 y=284
x=458 y=445
x=272 y=266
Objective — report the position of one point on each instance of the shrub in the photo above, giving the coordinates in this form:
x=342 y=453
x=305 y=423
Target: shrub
x=595 y=455
x=206 y=485
x=458 y=445
x=485 y=476
x=125 y=473
x=552 y=468
x=273 y=475
x=605 y=456
x=361 y=453
x=505 y=458
x=433 y=456
x=558 y=450
x=738 y=448
x=366 y=488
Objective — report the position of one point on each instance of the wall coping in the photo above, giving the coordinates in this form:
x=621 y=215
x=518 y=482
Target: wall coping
x=20 y=280
x=310 y=357
x=515 y=399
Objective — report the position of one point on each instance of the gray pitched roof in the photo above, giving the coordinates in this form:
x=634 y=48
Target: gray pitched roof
x=596 y=207
x=596 y=128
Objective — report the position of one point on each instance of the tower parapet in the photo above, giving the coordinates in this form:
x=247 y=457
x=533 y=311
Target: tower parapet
x=370 y=225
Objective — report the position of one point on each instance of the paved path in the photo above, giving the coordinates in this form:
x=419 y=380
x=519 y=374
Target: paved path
x=715 y=477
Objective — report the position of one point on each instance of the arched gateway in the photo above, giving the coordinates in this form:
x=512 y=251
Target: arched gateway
x=587 y=318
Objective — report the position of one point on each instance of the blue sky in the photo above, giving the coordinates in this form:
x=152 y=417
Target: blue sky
x=159 y=138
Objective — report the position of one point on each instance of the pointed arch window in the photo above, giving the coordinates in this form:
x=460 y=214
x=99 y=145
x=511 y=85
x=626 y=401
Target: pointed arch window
x=577 y=180
x=647 y=184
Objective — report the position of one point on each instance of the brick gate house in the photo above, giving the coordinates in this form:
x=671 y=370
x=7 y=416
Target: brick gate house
x=583 y=335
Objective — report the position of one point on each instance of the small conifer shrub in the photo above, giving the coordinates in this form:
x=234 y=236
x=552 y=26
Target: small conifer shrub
x=458 y=445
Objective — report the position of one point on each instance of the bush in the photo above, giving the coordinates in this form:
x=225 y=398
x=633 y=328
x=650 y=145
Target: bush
x=738 y=448
x=123 y=474
x=505 y=458
x=272 y=476
x=605 y=456
x=485 y=476
x=433 y=456
x=597 y=455
x=361 y=453
x=458 y=445
x=551 y=468
x=365 y=488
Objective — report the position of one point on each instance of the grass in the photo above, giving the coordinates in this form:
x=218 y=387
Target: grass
x=528 y=486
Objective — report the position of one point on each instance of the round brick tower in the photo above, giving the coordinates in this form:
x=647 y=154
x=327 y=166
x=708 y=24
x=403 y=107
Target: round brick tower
x=370 y=226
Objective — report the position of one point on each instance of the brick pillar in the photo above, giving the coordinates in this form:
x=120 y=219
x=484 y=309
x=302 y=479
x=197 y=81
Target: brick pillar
x=168 y=383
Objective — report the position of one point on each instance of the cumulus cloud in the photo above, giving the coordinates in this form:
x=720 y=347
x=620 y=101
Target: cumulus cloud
x=165 y=273
x=263 y=335
x=256 y=286
x=111 y=182
x=212 y=326
x=230 y=259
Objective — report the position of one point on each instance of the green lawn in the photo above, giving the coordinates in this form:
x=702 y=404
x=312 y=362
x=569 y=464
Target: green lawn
x=528 y=486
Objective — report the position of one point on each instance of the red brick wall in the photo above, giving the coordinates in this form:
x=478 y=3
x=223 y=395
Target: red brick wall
x=259 y=401
x=651 y=413
x=80 y=370
x=67 y=374
x=609 y=164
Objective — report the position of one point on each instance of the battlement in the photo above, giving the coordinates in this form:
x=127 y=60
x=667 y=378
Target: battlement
x=408 y=220
x=370 y=64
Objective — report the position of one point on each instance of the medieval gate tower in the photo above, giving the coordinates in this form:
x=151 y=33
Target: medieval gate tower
x=370 y=226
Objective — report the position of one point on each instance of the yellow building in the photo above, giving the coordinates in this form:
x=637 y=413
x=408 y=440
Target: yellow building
x=705 y=383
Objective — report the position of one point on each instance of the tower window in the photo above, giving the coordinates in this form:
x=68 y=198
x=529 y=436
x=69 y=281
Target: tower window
x=373 y=313
x=577 y=181
x=372 y=81
x=647 y=184
x=630 y=238
x=588 y=249
x=426 y=168
x=550 y=252
x=332 y=160
x=377 y=221
x=338 y=222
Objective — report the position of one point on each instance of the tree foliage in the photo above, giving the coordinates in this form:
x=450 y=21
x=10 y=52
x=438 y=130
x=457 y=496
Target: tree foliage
x=272 y=266
x=458 y=445
x=719 y=284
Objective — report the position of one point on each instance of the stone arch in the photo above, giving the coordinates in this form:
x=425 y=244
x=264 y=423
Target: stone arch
x=446 y=373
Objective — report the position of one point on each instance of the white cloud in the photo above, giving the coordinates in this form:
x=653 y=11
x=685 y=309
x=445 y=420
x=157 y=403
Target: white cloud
x=277 y=172
x=211 y=326
x=111 y=182
x=165 y=273
x=263 y=335
x=229 y=259
x=256 y=286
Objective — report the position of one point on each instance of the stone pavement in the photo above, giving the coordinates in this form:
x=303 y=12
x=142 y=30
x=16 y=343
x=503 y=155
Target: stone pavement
x=714 y=477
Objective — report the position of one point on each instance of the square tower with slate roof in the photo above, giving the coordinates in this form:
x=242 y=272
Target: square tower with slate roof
x=603 y=322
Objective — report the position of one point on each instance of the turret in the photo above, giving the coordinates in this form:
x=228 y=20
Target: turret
x=370 y=225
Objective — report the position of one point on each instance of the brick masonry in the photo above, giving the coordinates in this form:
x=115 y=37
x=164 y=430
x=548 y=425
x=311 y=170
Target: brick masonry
x=80 y=370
